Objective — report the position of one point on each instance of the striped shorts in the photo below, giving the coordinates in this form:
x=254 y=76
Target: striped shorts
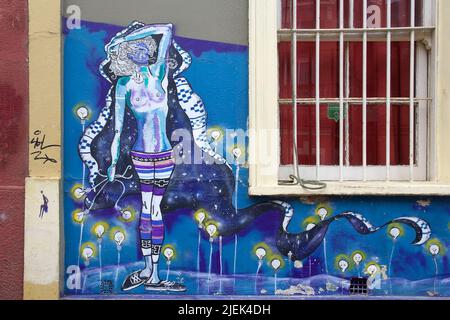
x=154 y=170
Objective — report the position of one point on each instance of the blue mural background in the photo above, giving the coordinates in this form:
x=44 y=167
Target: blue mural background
x=219 y=73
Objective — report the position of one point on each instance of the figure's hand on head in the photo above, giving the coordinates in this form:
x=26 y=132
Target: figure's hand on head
x=112 y=173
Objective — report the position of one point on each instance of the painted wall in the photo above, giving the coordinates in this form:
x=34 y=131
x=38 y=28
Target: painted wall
x=42 y=211
x=13 y=143
x=218 y=235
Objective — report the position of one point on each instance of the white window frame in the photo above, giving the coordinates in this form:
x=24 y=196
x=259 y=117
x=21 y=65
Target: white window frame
x=434 y=179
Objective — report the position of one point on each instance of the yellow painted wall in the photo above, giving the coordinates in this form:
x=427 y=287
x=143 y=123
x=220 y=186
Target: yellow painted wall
x=45 y=82
x=43 y=241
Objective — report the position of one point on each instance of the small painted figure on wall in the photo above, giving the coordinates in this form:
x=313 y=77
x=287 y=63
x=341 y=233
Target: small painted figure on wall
x=44 y=207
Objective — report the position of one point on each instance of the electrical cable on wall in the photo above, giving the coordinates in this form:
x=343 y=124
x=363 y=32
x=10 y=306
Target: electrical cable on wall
x=296 y=180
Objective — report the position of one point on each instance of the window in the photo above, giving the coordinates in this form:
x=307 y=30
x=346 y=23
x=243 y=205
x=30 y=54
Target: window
x=355 y=97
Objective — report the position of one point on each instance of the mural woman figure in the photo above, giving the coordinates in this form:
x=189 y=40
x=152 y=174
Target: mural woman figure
x=145 y=93
x=144 y=63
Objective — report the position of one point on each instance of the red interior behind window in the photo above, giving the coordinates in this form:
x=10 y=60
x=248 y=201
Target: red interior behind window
x=329 y=88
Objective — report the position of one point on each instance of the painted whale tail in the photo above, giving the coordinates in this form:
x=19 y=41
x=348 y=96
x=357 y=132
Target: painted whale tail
x=302 y=245
x=363 y=226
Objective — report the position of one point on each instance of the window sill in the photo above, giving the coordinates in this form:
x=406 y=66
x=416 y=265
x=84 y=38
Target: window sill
x=358 y=189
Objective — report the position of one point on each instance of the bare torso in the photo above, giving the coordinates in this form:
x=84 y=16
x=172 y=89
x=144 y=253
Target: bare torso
x=148 y=102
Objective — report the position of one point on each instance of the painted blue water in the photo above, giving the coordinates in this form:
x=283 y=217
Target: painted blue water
x=244 y=285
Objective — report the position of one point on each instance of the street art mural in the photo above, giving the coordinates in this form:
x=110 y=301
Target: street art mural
x=155 y=184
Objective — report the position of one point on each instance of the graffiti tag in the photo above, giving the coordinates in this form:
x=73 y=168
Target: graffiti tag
x=39 y=147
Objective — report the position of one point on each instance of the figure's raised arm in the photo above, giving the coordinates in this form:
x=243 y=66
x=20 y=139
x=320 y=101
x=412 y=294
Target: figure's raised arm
x=121 y=93
x=166 y=30
x=151 y=30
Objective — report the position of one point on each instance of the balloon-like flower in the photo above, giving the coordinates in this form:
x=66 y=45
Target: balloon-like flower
x=83 y=113
x=261 y=253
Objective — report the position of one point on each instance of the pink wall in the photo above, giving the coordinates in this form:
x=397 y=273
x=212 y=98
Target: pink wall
x=13 y=143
